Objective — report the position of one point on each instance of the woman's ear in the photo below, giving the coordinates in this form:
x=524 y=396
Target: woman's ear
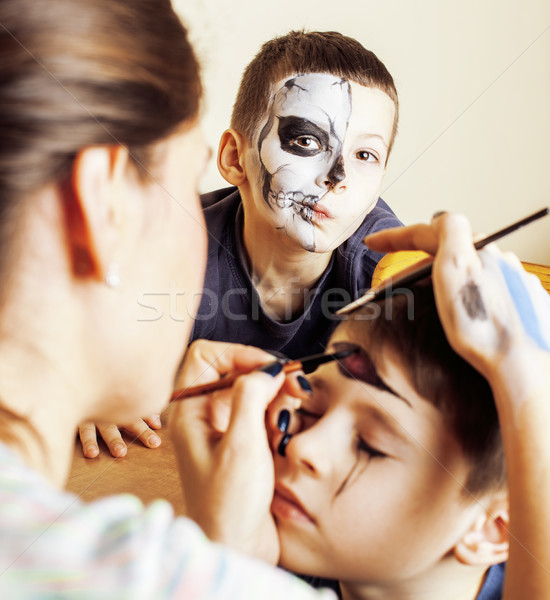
x=93 y=204
x=486 y=542
x=231 y=157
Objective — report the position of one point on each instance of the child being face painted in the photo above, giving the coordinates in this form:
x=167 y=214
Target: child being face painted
x=395 y=480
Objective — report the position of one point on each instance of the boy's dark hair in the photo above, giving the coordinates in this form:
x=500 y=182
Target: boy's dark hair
x=301 y=52
x=410 y=325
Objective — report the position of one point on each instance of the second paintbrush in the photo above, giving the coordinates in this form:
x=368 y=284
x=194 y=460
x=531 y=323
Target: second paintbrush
x=308 y=364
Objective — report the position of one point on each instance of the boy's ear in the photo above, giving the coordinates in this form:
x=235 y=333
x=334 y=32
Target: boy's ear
x=486 y=542
x=231 y=157
x=92 y=207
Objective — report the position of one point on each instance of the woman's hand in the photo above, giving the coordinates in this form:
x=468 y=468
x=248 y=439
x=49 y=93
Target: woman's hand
x=221 y=442
x=142 y=430
x=489 y=306
x=497 y=317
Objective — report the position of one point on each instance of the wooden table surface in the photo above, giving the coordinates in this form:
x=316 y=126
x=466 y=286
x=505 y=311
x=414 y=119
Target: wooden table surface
x=146 y=473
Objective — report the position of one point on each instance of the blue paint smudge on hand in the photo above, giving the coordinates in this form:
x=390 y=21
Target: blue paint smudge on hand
x=537 y=326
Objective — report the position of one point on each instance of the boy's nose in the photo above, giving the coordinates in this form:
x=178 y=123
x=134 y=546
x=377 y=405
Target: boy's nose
x=336 y=173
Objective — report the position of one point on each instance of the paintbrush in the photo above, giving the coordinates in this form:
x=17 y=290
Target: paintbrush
x=308 y=364
x=424 y=267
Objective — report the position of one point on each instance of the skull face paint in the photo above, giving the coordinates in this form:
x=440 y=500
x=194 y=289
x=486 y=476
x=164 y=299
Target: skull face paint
x=300 y=150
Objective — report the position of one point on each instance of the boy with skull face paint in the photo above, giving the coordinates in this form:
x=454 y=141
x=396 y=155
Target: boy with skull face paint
x=311 y=131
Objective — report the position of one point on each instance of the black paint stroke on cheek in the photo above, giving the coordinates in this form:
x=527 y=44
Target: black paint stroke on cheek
x=353 y=470
x=264 y=173
x=337 y=172
x=473 y=302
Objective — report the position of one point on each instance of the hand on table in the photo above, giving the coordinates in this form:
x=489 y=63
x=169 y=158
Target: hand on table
x=142 y=429
x=222 y=446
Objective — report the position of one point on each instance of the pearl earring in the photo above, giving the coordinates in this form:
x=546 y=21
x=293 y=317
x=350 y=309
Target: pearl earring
x=112 y=277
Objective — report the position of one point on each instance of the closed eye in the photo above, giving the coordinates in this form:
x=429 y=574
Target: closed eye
x=364 y=446
x=308 y=417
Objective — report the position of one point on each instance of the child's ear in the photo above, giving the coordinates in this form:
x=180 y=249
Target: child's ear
x=486 y=541
x=92 y=206
x=231 y=157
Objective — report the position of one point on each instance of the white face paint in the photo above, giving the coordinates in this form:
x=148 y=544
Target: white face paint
x=300 y=150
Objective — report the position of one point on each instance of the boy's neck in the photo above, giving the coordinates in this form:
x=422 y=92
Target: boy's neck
x=283 y=276
x=462 y=583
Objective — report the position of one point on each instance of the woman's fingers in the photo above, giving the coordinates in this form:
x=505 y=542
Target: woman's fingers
x=415 y=237
x=222 y=465
x=251 y=397
x=281 y=415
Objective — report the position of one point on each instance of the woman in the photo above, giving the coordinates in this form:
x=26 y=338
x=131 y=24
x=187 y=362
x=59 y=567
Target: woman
x=99 y=160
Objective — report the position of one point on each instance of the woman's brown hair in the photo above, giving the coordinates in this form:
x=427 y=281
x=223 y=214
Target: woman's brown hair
x=76 y=74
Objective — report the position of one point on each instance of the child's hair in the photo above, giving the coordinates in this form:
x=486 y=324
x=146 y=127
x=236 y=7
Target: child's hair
x=300 y=52
x=409 y=324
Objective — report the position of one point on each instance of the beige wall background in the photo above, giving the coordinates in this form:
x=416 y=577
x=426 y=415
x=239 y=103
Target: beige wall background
x=473 y=77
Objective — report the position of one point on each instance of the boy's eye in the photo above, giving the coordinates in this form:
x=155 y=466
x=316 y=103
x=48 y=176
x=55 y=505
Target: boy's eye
x=366 y=156
x=307 y=142
x=307 y=417
x=302 y=137
x=363 y=446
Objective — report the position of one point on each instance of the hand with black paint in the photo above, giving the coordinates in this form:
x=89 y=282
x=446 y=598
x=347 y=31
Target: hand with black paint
x=498 y=317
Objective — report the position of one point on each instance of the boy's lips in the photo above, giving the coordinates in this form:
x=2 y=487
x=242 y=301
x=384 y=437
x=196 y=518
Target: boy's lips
x=322 y=210
x=287 y=505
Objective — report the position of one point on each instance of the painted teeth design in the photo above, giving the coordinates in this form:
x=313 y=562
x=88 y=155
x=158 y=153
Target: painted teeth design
x=305 y=212
x=298 y=199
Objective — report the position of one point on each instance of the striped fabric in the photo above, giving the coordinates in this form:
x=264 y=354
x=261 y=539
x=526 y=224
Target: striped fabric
x=52 y=545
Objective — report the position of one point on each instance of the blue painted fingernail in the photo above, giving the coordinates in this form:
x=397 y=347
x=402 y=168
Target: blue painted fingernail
x=284 y=443
x=272 y=369
x=284 y=420
x=304 y=384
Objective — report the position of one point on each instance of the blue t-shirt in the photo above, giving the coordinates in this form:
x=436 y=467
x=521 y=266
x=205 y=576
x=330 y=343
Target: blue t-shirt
x=494 y=581
x=490 y=590
x=230 y=308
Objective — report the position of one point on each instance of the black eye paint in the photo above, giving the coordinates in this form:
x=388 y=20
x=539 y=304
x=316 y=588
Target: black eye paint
x=291 y=128
x=359 y=366
x=472 y=301
x=348 y=477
